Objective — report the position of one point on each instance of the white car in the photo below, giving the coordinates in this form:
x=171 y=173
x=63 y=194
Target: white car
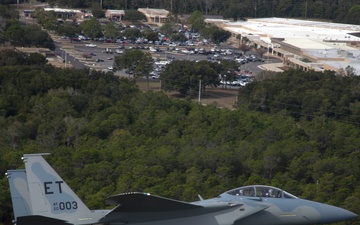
x=152 y=49
x=154 y=75
x=91 y=45
x=188 y=52
x=162 y=62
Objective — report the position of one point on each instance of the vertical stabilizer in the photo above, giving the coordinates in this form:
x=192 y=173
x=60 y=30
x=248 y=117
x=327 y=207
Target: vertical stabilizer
x=19 y=191
x=50 y=195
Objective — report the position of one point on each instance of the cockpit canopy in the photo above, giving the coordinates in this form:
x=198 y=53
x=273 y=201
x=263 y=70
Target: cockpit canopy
x=260 y=191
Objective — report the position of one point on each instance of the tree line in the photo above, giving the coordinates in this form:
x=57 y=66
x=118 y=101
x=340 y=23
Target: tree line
x=182 y=76
x=344 y=11
x=107 y=137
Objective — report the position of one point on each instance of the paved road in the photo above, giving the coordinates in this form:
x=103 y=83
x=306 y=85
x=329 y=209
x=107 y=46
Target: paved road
x=69 y=57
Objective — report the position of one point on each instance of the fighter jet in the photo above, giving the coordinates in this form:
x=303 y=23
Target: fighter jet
x=40 y=196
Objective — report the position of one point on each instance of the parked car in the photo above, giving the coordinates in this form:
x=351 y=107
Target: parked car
x=91 y=45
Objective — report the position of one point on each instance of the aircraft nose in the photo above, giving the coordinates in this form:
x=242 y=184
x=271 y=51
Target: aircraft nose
x=332 y=214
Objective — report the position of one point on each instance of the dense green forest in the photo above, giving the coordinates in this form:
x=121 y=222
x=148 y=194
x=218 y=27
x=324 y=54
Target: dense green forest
x=107 y=137
x=305 y=97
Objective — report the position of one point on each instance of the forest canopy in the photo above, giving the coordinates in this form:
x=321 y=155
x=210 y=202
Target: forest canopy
x=107 y=137
x=305 y=96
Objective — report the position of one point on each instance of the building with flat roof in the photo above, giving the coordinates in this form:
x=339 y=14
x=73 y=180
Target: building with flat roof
x=115 y=15
x=157 y=16
x=66 y=13
x=305 y=44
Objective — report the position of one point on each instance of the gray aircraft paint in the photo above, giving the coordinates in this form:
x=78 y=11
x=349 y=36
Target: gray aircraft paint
x=52 y=197
x=53 y=202
x=19 y=191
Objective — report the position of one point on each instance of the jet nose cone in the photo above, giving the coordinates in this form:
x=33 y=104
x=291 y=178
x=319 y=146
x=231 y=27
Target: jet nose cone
x=332 y=214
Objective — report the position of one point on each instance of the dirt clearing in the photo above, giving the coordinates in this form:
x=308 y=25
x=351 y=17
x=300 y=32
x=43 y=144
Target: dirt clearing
x=224 y=98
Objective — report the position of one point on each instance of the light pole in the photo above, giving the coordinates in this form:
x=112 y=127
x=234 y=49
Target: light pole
x=199 y=91
x=65 y=58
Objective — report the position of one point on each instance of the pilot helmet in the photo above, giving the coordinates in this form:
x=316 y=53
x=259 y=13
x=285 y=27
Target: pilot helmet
x=270 y=192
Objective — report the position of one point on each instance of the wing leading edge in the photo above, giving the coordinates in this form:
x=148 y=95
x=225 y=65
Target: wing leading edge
x=144 y=202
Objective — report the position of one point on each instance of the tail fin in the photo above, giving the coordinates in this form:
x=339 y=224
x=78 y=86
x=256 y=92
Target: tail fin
x=50 y=195
x=19 y=191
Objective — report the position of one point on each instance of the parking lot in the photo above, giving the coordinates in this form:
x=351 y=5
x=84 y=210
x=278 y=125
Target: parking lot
x=100 y=55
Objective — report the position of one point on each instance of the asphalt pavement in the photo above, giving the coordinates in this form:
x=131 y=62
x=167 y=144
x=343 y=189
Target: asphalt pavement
x=76 y=51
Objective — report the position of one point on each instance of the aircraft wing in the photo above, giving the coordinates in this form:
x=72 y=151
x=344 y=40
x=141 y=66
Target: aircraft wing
x=39 y=220
x=135 y=208
x=144 y=202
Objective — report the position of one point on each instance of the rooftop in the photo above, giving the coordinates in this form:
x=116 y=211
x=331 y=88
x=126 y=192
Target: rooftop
x=152 y=11
x=333 y=44
x=115 y=11
x=62 y=10
x=295 y=29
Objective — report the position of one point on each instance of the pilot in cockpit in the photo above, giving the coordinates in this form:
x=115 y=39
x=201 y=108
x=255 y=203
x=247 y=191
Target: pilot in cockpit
x=240 y=192
x=270 y=193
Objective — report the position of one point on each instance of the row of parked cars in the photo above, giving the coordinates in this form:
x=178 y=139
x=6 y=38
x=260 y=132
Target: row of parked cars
x=248 y=58
x=240 y=80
